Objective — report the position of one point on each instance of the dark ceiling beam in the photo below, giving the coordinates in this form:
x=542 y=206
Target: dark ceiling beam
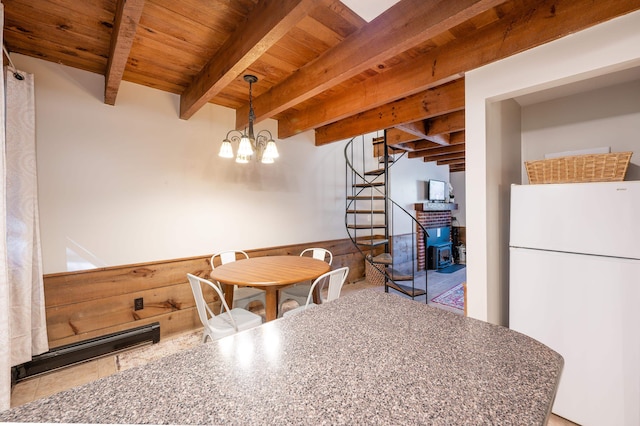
x=534 y=23
x=433 y=102
x=125 y=25
x=267 y=23
x=405 y=25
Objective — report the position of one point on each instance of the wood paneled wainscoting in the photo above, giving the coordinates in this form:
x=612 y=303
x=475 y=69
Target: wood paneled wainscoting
x=82 y=305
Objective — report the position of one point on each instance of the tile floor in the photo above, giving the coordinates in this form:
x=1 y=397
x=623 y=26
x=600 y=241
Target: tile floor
x=65 y=378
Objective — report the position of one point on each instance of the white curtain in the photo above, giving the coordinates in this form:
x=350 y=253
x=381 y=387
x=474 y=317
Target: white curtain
x=23 y=330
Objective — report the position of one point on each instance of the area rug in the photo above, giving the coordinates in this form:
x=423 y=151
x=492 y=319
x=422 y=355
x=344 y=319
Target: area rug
x=451 y=269
x=454 y=297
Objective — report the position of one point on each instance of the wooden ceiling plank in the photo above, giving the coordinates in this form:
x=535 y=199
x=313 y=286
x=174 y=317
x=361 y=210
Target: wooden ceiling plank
x=153 y=81
x=269 y=22
x=149 y=50
x=418 y=128
x=421 y=145
x=220 y=16
x=458 y=137
x=68 y=14
x=397 y=138
x=83 y=60
x=124 y=30
x=532 y=24
x=447 y=123
x=91 y=35
x=434 y=152
x=403 y=26
x=424 y=146
x=339 y=17
x=167 y=25
x=433 y=102
x=453 y=160
x=319 y=31
x=101 y=9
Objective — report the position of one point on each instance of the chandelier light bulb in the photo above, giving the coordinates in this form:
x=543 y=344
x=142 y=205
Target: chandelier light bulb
x=226 y=150
x=271 y=150
x=245 y=147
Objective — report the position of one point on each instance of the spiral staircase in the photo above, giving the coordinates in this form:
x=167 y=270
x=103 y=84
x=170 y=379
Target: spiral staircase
x=382 y=230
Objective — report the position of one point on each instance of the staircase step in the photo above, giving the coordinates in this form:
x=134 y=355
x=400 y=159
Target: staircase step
x=367 y=184
x=406 y=289
x=365 y=197
x=376 y=172
x=367 y=226
x=384 y=259
x=399 y=276
x=371 y=242
x=365 y=211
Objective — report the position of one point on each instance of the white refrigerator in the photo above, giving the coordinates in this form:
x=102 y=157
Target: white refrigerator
x=574 y=285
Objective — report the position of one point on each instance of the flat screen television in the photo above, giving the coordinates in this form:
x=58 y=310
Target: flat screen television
x=436 y=190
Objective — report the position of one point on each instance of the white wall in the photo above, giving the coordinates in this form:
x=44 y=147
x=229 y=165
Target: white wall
x=133 y=183
x=457 y=180
x=492 y=161
x=604 y=117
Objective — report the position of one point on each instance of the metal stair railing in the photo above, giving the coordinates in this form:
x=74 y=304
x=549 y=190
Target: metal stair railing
x=393 y=256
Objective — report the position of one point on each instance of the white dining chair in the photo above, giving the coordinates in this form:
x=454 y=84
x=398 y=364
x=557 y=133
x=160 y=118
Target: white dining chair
x=242 y=296
x=299 y=292
x=335 y=278
x=228 y=322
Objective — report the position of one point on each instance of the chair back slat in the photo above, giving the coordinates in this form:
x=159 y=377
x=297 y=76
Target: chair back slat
x=227 y=256
x=336 y=280
x=319 y=253
x=196 y=286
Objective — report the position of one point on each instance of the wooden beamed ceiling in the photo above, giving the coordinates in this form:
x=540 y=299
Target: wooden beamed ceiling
x=320 y=66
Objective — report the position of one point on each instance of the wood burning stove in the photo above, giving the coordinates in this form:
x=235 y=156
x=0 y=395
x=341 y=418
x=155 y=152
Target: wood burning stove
x=440 y=255
x=439 y=248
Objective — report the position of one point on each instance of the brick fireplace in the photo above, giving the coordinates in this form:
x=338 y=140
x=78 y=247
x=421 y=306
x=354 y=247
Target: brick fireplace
x=436 y=218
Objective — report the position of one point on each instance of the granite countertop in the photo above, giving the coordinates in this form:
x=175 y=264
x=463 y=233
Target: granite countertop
x=366 y=358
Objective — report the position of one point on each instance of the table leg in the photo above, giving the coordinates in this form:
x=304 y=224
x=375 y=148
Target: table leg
x=316 y=294
x=228 y=294
x=271 y=298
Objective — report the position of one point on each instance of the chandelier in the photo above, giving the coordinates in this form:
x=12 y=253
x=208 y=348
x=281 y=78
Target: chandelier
x=262 y=144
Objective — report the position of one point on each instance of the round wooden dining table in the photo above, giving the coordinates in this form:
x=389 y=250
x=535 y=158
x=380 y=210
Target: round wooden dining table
x=268 y=273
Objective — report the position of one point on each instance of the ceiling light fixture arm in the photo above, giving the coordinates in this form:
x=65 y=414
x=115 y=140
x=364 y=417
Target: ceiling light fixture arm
x=262 y=145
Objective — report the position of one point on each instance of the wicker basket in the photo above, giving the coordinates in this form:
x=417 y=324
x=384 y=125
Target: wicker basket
x=579 y=168
x=372 y=274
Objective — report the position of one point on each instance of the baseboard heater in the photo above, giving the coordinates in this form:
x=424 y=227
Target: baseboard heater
x=74 y=353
